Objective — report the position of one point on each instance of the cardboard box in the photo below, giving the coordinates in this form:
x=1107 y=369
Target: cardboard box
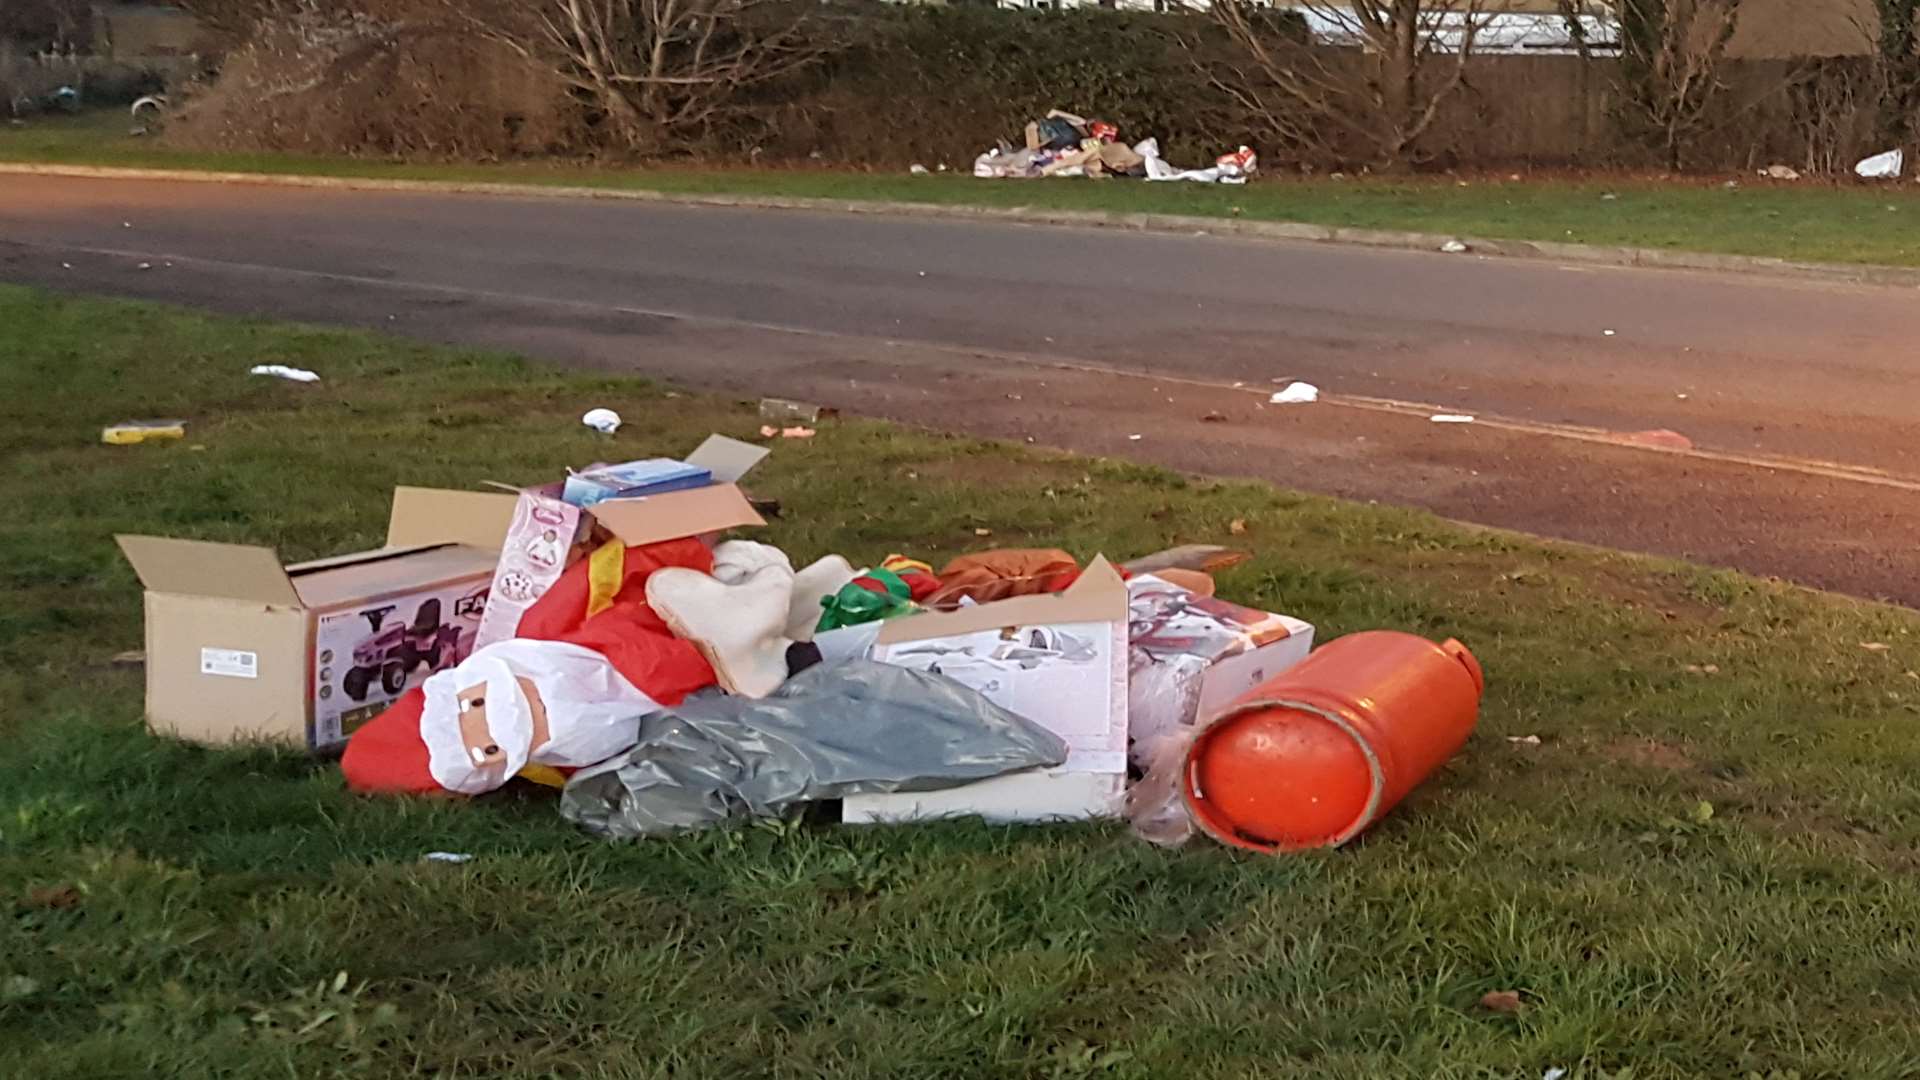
x=1058 y=660
x=546 y=533
x=240 y=646
x=1189 y=657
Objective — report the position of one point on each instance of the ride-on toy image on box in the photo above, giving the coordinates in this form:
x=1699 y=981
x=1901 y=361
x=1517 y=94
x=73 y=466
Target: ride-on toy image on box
x=391 y=654
x=366 y=655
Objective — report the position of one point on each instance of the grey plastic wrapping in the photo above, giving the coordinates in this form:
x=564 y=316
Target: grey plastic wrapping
x=856 y=727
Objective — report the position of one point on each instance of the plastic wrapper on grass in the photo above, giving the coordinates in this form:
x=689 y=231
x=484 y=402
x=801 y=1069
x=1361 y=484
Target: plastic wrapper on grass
x=834 y=730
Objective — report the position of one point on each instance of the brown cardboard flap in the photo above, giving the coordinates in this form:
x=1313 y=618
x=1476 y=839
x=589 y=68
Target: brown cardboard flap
x=424 y=516
x=727 y=459
x=353 y=558
x=1099 y=595
x=651 y=519
x=198 y=568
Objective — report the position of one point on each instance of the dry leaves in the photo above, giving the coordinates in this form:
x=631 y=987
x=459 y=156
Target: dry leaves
x=1238 y=527
x=53 y=897
x=1875 y=646
x=1505 y=1002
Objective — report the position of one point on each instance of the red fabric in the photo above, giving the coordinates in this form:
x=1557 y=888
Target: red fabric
x=388 y=757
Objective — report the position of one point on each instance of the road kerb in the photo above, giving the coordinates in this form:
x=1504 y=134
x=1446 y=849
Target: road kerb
x=1287 y=231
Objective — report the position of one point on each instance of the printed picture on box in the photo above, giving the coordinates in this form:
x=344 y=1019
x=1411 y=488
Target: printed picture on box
x=1164 y=618
x=365 y=657
x=394 y=650
x=1027 y=669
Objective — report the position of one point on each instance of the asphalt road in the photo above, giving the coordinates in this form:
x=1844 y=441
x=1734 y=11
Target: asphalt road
x=1086 y=339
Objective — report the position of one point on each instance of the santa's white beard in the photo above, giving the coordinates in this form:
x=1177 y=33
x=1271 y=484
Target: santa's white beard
x=593 y=712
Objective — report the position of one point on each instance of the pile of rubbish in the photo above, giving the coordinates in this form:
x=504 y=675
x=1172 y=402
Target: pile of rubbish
x=601 y=635
x=1062 y=144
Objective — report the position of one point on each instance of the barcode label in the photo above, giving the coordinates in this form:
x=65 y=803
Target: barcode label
x=231 y=663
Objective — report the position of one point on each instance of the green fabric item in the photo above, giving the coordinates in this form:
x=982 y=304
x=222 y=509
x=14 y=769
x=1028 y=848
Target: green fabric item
x=855 y=603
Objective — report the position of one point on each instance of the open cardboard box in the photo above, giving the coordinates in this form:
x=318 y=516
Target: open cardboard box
x=1059 y=660
x=240 y=646
x=546 y=533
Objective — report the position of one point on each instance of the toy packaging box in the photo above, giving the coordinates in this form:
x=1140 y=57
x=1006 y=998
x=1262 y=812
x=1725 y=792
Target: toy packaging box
x=1058 y=660
x=547 y=532
x=240 y=646
x=653 y=476
x=1190 y=656
x=368 y=651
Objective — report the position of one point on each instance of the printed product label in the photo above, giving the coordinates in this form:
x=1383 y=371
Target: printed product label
x=231 y=663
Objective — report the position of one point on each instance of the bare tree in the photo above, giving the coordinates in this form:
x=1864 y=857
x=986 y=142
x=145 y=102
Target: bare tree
x=661 y=71
x=54 y=25
x=1896 y=60
x=1672 y=55
x=1376 y=85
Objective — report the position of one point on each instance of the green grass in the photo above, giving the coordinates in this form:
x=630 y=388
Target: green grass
x=168 y=910
x=1807 y=221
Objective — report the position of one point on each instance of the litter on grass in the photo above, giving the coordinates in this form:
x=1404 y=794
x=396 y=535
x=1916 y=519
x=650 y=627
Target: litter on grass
x=282 y=371
x=610 y=635
x=1887 y=166
x=1061 y=144
x=604 y=421
x=140 y=431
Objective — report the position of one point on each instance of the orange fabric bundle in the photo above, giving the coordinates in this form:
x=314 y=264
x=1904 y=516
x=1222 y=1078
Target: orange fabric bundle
x=995 y=575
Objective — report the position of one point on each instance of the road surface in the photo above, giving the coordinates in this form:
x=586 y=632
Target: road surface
x=1800 y=397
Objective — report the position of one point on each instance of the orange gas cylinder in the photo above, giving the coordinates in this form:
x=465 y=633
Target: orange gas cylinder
x=1315 y=755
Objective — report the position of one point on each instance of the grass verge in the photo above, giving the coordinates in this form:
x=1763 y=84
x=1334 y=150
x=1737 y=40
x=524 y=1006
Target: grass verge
x=1707 y=867
x=1812 y=222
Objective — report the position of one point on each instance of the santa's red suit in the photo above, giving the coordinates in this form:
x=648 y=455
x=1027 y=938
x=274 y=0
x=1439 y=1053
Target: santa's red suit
x=388 y=755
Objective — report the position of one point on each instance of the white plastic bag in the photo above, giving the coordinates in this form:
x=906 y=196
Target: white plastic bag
x=1887 y=166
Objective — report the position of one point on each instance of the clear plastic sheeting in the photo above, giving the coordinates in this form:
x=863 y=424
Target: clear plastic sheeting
x=834 y=730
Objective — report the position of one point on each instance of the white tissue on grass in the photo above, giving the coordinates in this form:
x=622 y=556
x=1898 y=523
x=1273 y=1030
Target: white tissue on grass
x=1295 y=393
x=448 y=856
x=604 y=421
x=282 y=371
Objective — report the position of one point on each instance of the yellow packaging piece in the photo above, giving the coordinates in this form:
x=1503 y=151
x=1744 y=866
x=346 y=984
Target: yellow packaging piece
x=138 y=431
x=605 y=569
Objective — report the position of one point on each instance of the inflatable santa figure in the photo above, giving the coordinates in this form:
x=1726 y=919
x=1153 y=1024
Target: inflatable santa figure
x=591 y=657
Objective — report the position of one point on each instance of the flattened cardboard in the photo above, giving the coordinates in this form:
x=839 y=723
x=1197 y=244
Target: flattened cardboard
x=652 y=519
x=424 y=516
x=200 y=568
x=727 y=459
